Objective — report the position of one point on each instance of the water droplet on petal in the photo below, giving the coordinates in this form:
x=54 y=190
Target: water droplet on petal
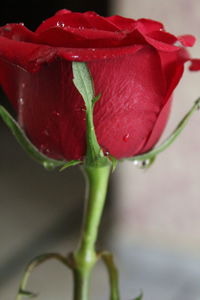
x=21 y=101
x=126 y=137
x=75 y=56
x=105 y=151
x=80 y=108
x=45 y=132
x=55 y=114
x=60 y=24
x=44 y=148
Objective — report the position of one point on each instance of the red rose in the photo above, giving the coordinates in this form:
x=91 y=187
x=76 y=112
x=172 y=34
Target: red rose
x=135 y=65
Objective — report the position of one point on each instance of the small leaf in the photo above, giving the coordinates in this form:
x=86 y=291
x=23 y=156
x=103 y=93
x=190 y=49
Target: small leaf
x=95 y=99
x=26 y=144
x=114 y=162
x=70 y=164
x=83 y=82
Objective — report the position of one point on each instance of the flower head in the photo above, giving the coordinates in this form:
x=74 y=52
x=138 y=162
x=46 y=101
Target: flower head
x=135 y=65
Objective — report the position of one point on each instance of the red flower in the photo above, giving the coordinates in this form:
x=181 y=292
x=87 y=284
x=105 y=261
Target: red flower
x=135 y=65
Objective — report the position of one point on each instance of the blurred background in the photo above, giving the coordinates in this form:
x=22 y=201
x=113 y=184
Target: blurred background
x=152 y=217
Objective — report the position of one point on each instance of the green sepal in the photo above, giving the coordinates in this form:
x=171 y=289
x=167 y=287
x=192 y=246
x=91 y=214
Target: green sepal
x=31 y=266
x=26 y=144
x=149 y=157
x=28 y=294
x=70 y=164
x=112 y=270
x=114 y=162
x=140 y=297
x=82 y=80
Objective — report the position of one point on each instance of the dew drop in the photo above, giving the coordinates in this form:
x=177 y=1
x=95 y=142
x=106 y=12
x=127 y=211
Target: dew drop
x=55 y=114
x=60 y=24
x=80 y=108
x=21 y=101
x=142 y=164
x=75 y=56
x=105 y=151
x=44 y=148
x=45 y=132
x=126 y=137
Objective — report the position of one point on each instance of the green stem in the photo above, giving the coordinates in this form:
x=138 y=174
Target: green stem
x=85 y=257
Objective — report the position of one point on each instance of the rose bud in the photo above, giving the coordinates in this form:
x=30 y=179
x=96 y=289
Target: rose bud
x=135 y=66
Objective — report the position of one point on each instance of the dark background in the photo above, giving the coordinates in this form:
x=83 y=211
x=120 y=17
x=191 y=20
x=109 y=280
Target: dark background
x=31 y=13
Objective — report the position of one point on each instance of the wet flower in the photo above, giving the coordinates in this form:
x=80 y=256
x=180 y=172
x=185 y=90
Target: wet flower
x=135 y=65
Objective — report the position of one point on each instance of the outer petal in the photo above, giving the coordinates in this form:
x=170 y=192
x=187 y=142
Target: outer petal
x=173 y=66
x=158 y=127
x=80 y=37
x=50 y=109
x=147 y=25
x=53 y=113
x=187 y=40
x=195 y=65
x=130 y=104
x=77 y=20
x=31 y=56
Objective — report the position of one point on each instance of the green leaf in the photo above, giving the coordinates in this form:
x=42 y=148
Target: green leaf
x=26 y=144
x=151 y=155
x=83 y=82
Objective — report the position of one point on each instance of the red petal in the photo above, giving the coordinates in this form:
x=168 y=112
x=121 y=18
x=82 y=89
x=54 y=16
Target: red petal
x=163 y=36
x=128 y=110
x=17 y=32
x=31 y=56
x=53 y=113
x=80 y=38
x=62 y=12
x=147 y=25
x=195 y=65
x=158 y=127
x=26 y=55
x=77 y=20
x=122 y=23
x=187 y=40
